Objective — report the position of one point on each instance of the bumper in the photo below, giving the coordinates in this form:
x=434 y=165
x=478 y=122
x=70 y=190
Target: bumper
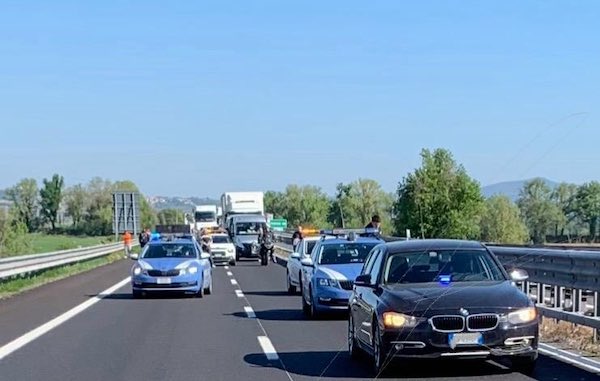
x=224 y=258
x=423 y=342
x=247 y=251
x=331 y=299
x=178 y=283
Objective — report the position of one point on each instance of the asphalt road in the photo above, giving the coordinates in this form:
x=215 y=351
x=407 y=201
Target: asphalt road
x=183 y=338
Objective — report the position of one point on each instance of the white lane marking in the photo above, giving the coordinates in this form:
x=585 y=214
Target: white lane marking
x=268 y=348
x=234 y=282
x=229 y=273
x=239 y=293
x=226 y=267
x=47 y=327
x=250 y=312
x=586 y=365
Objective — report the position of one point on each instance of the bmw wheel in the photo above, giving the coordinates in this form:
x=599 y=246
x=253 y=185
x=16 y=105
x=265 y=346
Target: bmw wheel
x=353 y=350
x=378 y=352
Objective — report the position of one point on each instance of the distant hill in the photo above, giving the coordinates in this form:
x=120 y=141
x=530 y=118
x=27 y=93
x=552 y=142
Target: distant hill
x=181 y=203
x=511 y=188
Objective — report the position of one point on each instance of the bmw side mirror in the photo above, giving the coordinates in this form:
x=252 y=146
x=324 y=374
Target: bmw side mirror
x=134 y=256
x=204 y=255
x=363 y=280
x=518 y=275
x=307 y=262
x=295 y=256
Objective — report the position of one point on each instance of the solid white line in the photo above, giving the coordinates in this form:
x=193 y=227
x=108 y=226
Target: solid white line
x=268 y=348
x=234 y=282
x=229 y=273
x=250 y=312
x=570 y=360
x=47 y=327
x=239 y=293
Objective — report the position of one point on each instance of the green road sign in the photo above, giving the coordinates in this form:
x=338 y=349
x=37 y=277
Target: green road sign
x=279 y=224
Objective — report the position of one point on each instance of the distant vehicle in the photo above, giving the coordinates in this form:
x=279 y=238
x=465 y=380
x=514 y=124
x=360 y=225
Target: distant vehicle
x=222 y=249
x=234 y=203
x=328 y=274
x=441 y=298
x=172 y=263
x=205 y=216
x=244 y=230
x=293 y=267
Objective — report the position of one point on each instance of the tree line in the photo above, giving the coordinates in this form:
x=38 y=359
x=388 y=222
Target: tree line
x=81 y=209
x=440 y=200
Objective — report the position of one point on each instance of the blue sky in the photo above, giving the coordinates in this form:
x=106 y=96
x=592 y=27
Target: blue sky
x=197 y=98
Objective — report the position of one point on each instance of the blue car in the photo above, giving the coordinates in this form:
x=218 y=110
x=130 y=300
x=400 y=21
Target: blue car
x=328 y=275
x=172 y=264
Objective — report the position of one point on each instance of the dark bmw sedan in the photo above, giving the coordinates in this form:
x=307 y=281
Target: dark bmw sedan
x=441 y=299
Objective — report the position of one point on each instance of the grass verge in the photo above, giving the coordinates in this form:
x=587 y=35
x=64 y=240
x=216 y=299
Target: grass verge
x=16 y=286
x=43 y=243
x=572 y=336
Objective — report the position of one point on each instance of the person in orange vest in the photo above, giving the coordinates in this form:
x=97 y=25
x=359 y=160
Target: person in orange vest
x=127 y=238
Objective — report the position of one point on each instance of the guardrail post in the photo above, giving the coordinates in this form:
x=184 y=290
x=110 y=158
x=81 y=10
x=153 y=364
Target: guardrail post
x=540 y=293
x=557 y=297
x=576 y=298
x=596 y=313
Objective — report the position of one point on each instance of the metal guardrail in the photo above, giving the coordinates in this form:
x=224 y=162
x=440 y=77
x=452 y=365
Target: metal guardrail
x=564 y=284
x=11 y=267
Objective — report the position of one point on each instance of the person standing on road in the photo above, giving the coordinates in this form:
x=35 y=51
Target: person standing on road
x=374 y=224
x=297 y=237
x=127 y=238
x=144 y=237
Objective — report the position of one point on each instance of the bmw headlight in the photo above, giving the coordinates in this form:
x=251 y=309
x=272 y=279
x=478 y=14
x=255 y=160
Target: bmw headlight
x=192 y=270
x=137 y=270
x=398 y=320
x=326 y=282
x=522 y=316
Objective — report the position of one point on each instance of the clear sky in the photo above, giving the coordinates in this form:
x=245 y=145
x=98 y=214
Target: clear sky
x=198 y=97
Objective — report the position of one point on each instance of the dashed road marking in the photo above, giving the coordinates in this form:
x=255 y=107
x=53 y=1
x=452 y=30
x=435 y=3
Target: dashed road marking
x=268 y=348
x=250 y=312
x=234 y=282
x=239 y=293
x=229 y=273
x=226 y=267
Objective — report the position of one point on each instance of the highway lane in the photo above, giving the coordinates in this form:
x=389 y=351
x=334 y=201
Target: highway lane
x=175 y=338
x=164 y=338
x=312 y=350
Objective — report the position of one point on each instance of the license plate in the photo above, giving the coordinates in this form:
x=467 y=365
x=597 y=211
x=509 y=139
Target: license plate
x=458 y=339
x=163 y=280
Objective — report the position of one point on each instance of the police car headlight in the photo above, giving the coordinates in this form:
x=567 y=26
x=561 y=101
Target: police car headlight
x=192 y=270
x=137 y=270
x=522 y=316
x=326 y=282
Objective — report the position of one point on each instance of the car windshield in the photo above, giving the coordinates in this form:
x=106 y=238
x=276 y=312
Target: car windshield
x=310 y=245
x=204 y=216
x=220 y=239
x=170 y=250
x=248 y=227
x=441 y=266
x=341 y=253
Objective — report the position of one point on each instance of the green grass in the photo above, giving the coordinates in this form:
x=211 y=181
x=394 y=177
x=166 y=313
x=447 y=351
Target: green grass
x=15 y=286
x=43 y=243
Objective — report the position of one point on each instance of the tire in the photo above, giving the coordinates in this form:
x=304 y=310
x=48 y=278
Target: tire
x=136 y=294
x=200 y=293
x=291 y=289
x=233 y=262
x=524 y=365
x=209 y=289
x=305 y=307
x=378 y=354
x=353 y=349
x=314 y=313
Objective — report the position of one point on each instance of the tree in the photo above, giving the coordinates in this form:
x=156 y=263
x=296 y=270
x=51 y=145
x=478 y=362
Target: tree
x=564 y=198
x=439 y=199
x=306 y=205
x=76 y=200
x=171 y=217
x=24 y=196
x=339 y=208
x=538 y=210
x=13 y=235
x=50 y=199
x=587 y=206
x=99 y=214
x=275 y=203
x=368 y=199
x=501 y=222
